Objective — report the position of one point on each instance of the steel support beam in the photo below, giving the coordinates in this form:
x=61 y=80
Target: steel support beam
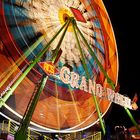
x=21 y=134
x=88 y=76
x=111 y=83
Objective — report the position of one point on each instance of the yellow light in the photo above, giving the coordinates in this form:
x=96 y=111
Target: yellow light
x=63 y=15
x=49 y=68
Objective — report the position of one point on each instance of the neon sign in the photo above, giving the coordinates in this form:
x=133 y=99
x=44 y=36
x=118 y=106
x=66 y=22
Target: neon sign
x=48 y=67
x=92 y=87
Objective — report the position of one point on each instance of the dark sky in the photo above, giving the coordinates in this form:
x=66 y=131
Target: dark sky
x=124 y=18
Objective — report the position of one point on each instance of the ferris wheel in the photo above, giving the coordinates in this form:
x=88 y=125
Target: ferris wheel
x=39 y=39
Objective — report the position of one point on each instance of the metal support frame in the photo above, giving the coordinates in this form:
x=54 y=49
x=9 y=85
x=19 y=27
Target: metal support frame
x=22 y=131
x=88 y=76
x=111 y=83
x=56 y=51
x=21 y=134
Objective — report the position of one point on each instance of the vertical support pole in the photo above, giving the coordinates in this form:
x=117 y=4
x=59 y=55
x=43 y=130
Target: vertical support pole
x=96 y=59
x=59 y=43
x=21 y=134
x=9 y=126
x=2 y=127
x=28 y=134
x=87 y=73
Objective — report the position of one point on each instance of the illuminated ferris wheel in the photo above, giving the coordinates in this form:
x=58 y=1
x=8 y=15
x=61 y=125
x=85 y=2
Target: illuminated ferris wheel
x=50 y=51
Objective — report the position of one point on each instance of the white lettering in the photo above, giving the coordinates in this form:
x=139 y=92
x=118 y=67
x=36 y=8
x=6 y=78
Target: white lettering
x=127 y=102
x=91 y=87
x=65 y=75
x=110 y=94
x=99 y=90
x=74 y=80
x=83 y=85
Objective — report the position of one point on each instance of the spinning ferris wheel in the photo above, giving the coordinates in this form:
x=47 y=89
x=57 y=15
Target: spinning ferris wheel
x=38 y=38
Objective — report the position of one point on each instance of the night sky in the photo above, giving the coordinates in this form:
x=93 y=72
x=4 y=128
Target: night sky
x=124 y=18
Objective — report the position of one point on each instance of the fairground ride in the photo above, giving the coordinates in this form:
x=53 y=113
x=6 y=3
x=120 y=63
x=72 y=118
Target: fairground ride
x=37 y=39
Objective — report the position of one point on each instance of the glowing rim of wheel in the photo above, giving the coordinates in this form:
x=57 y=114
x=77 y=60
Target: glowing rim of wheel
x=71 y=129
